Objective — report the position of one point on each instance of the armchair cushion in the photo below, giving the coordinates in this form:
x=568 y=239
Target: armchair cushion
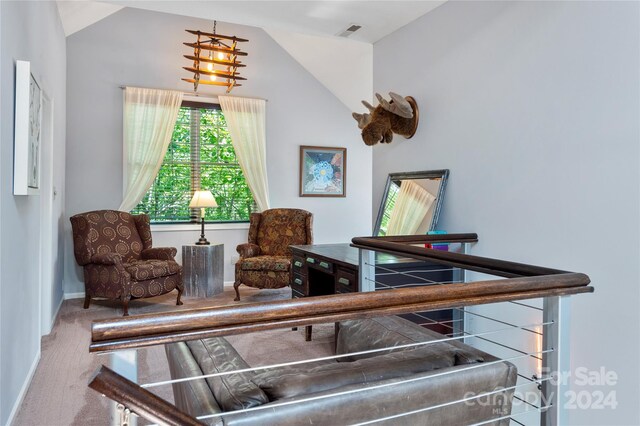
x=248 y=250
x=106 y=259
x=232 y=391
x=141 y=270
x=278 y=384
x=161 y=253
x=280 y=228
x=266 y=263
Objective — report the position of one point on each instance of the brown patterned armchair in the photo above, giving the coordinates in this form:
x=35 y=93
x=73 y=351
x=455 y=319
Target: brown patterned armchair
x=265 y=261
x=114 y=249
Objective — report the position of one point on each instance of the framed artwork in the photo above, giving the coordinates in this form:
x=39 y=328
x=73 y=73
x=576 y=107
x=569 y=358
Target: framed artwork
x=28 y=126
x=323 y=171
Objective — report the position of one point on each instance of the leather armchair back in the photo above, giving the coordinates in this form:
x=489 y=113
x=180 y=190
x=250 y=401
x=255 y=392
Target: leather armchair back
x=274 y=230
x=110 y=231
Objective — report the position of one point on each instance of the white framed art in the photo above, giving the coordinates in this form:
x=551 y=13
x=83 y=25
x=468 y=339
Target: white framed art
x=28 y=132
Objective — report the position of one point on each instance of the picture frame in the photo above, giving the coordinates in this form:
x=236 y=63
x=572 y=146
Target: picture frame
x=323 y=171
x=28 y=131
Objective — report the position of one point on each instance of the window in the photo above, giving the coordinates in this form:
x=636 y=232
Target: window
x=200 y=156
x=388 y=208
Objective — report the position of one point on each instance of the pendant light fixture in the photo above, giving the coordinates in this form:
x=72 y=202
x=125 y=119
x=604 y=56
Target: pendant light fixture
x=215 y=59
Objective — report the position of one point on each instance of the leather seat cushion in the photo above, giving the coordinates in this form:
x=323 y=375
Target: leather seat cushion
x=141 y=270
x=385 y=332
x=231 y=391
x=266 y=263
x=291 y=382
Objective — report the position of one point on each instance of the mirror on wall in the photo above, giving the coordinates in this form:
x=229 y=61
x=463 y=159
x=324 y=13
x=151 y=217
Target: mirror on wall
x=411 y=203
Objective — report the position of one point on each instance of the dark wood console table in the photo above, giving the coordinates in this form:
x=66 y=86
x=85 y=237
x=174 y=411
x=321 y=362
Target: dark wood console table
x=324 y=269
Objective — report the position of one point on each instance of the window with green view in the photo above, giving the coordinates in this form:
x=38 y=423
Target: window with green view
x=200 y=156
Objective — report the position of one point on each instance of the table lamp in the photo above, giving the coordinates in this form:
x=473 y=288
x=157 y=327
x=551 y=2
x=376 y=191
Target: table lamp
x=202 y=199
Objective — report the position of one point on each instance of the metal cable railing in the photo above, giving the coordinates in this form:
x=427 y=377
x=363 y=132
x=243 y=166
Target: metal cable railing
x=522 y=282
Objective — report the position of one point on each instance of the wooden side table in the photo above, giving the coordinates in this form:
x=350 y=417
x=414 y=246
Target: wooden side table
x=203 y=270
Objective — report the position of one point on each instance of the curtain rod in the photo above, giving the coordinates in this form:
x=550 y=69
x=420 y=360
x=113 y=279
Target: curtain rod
x=196 y=94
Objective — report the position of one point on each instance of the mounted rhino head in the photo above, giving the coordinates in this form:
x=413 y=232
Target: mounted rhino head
x=400 y=116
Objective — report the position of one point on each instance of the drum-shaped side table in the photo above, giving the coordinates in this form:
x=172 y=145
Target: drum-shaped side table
x=203 y=270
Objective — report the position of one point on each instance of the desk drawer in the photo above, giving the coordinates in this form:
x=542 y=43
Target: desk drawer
x=299 y=283
x=297 y=264
x=296 y=294
x=346 y=280
x=323 y=265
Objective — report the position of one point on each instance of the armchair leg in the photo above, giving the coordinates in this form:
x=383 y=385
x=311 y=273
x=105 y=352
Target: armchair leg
x=178 y=301
x=235 y=287
x=125 y=306
x=87 y=300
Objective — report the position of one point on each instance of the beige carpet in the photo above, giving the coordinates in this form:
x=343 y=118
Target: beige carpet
x=58 y=394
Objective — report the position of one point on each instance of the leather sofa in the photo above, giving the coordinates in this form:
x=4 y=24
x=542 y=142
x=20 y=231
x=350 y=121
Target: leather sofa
x=437 y=373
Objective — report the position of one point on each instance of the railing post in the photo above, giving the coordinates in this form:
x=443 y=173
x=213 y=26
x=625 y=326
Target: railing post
x=556 y=363
x=124 y=363
x=367 y=270
x=458 y=316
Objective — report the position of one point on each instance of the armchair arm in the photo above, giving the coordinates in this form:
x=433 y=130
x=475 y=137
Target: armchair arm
x=248 y=250
x=161 y=253
x=107 y=259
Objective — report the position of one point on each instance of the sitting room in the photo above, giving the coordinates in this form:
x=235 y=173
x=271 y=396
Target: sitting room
x=233 y=210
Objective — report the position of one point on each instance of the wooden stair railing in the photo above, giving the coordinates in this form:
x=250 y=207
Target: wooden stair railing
x=138 y=400
x=524 y=282
x=529 y=282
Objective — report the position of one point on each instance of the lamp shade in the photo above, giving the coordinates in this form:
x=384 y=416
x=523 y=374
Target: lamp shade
x=203 y=199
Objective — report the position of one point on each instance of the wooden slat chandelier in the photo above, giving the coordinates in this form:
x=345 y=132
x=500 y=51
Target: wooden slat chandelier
x=215 y=59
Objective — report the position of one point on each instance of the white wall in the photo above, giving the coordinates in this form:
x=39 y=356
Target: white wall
x=534 y=108
x=136 y=47
x=29 y=31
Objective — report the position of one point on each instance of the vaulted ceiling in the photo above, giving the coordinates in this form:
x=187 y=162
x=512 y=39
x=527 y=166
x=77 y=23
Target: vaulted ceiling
x=320 y=18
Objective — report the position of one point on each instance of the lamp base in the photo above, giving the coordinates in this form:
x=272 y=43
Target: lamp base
x=202 y=241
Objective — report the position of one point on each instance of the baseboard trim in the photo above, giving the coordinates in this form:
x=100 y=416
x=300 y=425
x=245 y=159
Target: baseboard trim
x=53 y=317
x=78 y=295
x=25 y=388
x=55 y=314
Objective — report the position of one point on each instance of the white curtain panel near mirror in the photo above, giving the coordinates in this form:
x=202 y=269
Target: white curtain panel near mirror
x=411 y=206
x=149 y=118
x=246 y=120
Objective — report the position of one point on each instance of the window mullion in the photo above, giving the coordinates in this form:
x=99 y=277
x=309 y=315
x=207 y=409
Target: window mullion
x=194 y=139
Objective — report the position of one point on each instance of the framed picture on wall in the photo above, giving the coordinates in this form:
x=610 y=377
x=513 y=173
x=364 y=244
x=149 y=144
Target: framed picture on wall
x=28 y=126
x=323 y=171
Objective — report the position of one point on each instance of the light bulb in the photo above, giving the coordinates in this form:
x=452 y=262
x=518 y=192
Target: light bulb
x=220 y=55
x=210 y=66
x=213 y=77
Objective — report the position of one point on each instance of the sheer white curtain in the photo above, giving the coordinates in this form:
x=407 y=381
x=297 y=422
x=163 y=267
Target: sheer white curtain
x=411 y=207
x=149 y=118
x=247 y=122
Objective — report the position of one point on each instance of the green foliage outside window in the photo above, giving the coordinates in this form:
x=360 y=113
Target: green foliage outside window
x=200 y=156
x=388 y=208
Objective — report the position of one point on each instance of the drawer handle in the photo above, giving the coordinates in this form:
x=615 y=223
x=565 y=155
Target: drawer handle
x=311 y=260
x=324 y=265
x=298 y=281
x=297 y=264
x=343 y=281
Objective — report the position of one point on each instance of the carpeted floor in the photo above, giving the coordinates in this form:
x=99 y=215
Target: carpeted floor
x=58 y=394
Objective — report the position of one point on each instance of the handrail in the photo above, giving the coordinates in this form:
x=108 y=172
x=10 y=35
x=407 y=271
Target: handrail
x=398 y=246
x=152 y=329
x=525 y=282
x=139 y=400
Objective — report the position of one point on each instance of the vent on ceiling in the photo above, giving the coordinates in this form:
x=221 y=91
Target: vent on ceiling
x=350 y=30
